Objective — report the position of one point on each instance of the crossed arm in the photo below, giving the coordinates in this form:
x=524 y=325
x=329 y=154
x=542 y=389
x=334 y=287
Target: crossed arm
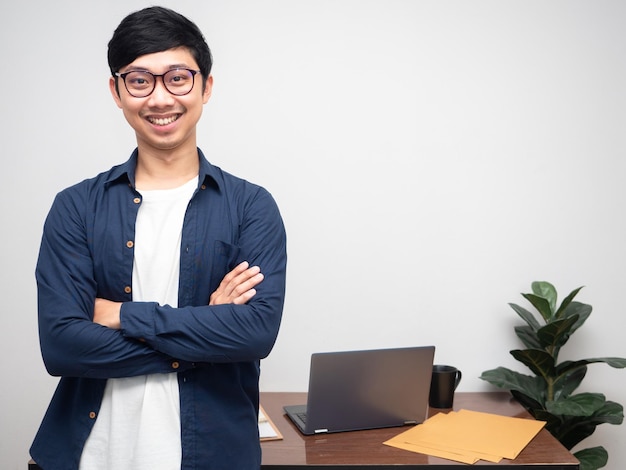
x=236 y=320
x=237 y=287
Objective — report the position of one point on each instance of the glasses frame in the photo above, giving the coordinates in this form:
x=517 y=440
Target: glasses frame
x=156 y=76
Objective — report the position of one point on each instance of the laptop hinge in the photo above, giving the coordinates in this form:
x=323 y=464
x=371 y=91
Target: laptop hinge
x=319 y=431
x=407 y=423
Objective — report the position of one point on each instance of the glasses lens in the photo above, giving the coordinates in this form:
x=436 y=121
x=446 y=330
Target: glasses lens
x=139 y=84
x=178 y=82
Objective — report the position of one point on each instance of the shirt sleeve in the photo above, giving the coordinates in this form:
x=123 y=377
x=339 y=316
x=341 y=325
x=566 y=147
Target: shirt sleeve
x=71 y=344
x=225 y=333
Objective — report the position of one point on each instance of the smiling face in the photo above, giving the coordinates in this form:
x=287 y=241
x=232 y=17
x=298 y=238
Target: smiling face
x=163 y=122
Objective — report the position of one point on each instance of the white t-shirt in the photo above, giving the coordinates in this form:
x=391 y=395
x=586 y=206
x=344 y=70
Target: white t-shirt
x=138 y=426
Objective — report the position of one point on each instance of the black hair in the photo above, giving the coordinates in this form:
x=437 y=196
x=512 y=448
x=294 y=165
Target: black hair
x=157 y=29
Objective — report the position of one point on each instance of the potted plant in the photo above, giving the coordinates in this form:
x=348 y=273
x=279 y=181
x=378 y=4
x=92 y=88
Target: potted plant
x=549 y=394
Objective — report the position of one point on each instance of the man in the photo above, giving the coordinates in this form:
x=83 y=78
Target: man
x=153 y=308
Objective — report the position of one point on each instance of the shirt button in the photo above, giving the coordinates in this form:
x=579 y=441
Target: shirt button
x=92 y=414
x=127 y=289
x=203 y=186
x=129 y=244
x=137 y=200
x=175 y=365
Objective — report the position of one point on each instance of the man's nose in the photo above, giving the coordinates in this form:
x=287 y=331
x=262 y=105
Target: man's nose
x=160 y=93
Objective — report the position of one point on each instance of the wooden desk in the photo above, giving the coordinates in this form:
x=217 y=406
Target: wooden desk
x=364 y=449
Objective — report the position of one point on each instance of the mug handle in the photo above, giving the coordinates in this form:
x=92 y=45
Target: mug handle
x=457 y=379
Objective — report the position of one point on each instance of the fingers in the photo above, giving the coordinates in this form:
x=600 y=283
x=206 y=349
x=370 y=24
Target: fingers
x=237 y=271
x=241 y=289
x=245 y=297
x=238 y=285
x=241 y=279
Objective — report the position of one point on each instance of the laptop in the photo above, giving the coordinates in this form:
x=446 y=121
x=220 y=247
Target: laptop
x=369 y=389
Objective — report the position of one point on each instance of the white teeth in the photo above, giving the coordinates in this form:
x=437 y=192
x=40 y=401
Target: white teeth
x=163 y=121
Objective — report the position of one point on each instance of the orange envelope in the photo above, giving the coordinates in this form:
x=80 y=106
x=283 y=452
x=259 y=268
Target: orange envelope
x=411 y=440
x=467 y=436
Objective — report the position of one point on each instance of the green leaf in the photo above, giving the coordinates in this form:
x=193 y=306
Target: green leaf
x=528 y=336
x=555 y=334
x=567 y=366
x=547 y=291
x=528 y=317
x=566 y=302
x=508 y=379
x=592 y=458
x=616 y=362
x=572 y=431
x=541 y=304
x=527 y=402
x=583 y=404
x=610 y=413
x=576 y=308
x=539 y=362
x=566 y=383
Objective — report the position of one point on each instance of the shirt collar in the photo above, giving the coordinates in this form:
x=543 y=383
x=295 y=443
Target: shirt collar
x=208 y=174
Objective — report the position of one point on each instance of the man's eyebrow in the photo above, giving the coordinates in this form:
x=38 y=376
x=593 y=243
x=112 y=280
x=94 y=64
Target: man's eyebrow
x=145 y=69
x=179 y=66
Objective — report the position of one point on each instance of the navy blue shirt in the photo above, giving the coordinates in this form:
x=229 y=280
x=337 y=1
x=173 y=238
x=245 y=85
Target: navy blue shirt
x=87 y=252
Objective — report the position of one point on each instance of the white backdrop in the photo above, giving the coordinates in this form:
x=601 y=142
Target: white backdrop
x=431 y=159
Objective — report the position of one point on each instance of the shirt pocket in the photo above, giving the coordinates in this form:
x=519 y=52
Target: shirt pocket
x=225 y=257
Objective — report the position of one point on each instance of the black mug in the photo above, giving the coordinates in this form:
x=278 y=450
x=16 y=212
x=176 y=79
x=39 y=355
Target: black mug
x=445 y=380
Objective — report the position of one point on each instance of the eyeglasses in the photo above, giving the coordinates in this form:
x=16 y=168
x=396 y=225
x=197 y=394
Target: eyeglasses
x=141 y=83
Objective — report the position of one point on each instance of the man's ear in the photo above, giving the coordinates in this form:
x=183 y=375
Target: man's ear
x=115 y=92
x=208 y=88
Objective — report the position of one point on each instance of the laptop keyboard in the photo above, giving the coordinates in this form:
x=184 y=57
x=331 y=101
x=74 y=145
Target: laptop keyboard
x=302 y=417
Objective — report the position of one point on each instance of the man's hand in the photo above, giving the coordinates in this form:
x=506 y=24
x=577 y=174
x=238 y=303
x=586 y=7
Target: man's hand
x=237 y=287
x=107 y=313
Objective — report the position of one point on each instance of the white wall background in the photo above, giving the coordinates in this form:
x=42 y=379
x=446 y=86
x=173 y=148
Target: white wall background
x=431 y=159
